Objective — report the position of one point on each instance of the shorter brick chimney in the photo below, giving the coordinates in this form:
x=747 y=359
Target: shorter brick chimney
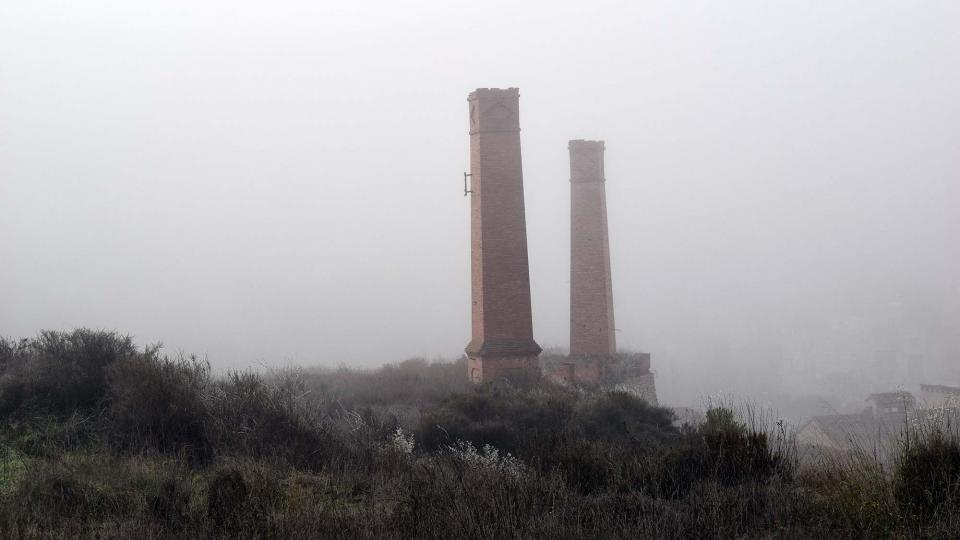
x=591 y=289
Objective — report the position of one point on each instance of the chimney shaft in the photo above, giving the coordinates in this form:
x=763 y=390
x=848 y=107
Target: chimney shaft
x=502 y=346
x=591 y=290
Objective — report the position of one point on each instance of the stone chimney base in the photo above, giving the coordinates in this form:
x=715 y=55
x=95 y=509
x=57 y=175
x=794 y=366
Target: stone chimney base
x=523 y=370
x=626 y=372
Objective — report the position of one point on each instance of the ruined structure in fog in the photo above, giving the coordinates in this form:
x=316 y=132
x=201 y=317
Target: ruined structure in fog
x=502 y=346
x=885 y=422
x=593 y=345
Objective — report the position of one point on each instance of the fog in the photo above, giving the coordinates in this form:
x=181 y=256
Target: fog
x=281 y=183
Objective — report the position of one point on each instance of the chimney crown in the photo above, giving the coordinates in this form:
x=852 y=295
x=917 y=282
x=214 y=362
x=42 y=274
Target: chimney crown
x=494 y=110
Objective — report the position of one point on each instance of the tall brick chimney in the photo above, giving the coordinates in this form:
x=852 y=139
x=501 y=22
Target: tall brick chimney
x=502 y=346
x=591 y=291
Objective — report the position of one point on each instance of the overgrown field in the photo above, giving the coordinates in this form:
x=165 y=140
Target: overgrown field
x=101 y=439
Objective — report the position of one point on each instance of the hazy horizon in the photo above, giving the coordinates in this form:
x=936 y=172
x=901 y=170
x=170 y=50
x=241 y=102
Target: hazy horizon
x=281 y=184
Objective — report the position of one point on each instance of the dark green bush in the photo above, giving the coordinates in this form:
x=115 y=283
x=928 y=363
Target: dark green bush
x=722 y=450
x=13 y=391
x=588 y=466
x=531 y=422
x=523 y=423
x=158 y=404
x=410 y=382
x=619 y=416
x=927 y=475
x=62 y=494
x=60 y=372
x=50 y=436
x=227 y=499
x=253 y=418
x=170 y=505
x=448 y=500
x=594 y=441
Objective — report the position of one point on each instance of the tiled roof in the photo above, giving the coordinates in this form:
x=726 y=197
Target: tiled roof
x=892 y=397
x=940 y=388
x=865 y=431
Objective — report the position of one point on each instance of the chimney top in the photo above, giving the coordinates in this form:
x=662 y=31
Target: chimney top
x=585 y=144
x=493 y=92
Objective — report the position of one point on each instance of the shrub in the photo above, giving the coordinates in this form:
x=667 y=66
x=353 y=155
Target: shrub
x=522 y=423
x=594 y=441
x=13 y=391
x=411 y=382
x=12 y=380
x=60 y=372
x=226 y=499
x=532 y=424
x=927 y=475
x=59 y=492
x=50 y=436
x=620 y=416
x=723 y=449
x=447 y=499
x=158 y=403
x=170 y=504
x=487 y=458
x=253 y=418
x=587 y=466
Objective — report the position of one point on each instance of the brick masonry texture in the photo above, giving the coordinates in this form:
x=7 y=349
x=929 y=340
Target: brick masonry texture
x=629 y=372
x=593 y=356
x=502 y=344
x=591 y=289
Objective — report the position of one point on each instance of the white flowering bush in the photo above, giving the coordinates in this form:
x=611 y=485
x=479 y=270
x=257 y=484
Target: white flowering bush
x=403 y=442
x=487 y=458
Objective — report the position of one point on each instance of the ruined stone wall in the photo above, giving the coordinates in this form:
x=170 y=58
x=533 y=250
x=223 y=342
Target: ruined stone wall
x=629 y=372
x=641 y=386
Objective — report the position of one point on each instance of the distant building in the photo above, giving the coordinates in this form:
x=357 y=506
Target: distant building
x=840 y=431
x=938 y=396
x=884 y=421
x=872 y=430
x=891 y=403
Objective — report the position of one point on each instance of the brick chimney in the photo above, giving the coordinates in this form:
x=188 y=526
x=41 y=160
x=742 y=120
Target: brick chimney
x=502 y=346
x=591 y=291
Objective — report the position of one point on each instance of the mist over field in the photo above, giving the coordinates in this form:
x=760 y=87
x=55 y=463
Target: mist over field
x=277 y=192
x=280 y=184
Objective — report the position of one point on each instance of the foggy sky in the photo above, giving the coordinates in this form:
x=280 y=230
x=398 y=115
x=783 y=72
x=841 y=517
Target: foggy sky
x=281 y=182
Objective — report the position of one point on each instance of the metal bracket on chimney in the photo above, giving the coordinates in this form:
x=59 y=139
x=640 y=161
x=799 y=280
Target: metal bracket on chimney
x=465 y=190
